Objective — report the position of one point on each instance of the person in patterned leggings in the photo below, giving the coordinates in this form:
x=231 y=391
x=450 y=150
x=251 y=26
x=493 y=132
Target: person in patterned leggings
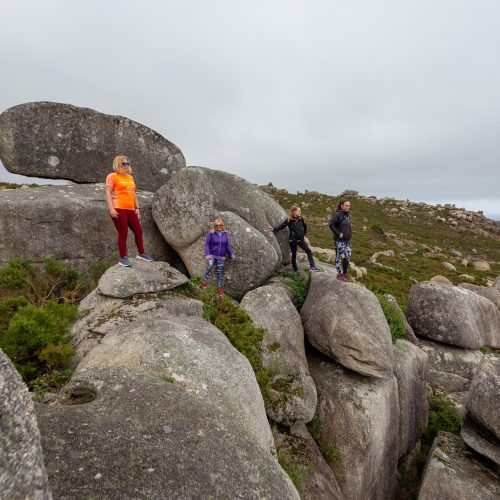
x=340 y=224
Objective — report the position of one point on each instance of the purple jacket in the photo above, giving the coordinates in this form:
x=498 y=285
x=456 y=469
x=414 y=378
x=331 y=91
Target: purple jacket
x=217 y=244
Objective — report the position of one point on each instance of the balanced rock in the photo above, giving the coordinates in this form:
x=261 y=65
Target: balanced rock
x=193 y=353
x=346 y=323
x=453 y=315
x=300 y=453
x=186 y=206
x=485 y=291
x=142 y=277
x=453 y=472
x=123 y=433
x=22 y=470
x=71 y=224
x=292 y=390
x=481 y=424
x=410 y=370
x=100 y=315
x=359 y=422
x=60 y=141
x=451 y=367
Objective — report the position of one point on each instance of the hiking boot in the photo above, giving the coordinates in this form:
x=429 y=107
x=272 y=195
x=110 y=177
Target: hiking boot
x=145 y=256
x=347 y=278
x=125 y=262
x=314 y=269
x=340 y=277
x=220 y=292
x=204 y=284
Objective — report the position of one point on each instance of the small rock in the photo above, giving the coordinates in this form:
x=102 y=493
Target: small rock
x=449 y=266
x=481 y=265
x=441 y=279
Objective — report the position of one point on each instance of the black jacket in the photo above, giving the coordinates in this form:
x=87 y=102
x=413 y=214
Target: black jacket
x=341 y=223
x=297 y=227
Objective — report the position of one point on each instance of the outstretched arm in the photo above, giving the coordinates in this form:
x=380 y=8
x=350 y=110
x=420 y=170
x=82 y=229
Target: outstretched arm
x=280 y=227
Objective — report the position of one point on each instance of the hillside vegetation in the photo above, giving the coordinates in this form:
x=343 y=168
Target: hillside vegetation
x=421 y=236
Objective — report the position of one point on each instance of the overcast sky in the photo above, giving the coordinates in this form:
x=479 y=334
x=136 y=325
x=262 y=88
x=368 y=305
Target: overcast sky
x=392 y=98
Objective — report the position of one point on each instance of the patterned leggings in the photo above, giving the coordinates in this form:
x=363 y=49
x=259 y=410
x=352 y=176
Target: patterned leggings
x=219 y=270
x=343 y=255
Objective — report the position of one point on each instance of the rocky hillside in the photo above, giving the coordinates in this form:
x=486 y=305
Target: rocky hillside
x=291 y=386
x=417 y=240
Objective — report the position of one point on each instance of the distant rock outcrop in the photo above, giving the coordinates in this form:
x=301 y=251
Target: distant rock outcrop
x=22 y=469
x=60 y=141
x=346 y=323
x=186 y=206
x=71 y=224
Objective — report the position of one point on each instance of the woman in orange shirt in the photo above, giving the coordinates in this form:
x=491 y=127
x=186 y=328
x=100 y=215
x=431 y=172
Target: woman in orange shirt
x=123 y=207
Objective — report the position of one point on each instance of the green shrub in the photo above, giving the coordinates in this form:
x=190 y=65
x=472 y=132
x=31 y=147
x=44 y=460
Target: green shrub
x=15 y=275
x=393 y=317
x=237 y=326
x=8 y=308
x=36 y=338
x=50 y=381
x=443 y=416
x=297 y=285
x=296 y=473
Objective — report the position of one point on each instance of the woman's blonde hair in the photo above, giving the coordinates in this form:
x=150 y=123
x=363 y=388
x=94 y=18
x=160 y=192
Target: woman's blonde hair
x=217 y=221
x=293 y=208
x=119 y=168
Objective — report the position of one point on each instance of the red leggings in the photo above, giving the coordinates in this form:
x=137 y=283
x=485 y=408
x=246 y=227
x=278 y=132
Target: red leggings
x=126 y=219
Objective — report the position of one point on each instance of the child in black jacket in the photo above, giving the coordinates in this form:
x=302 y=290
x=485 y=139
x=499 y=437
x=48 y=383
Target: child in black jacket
x=298 y=230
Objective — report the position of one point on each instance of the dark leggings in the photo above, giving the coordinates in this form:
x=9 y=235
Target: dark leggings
x=302 y=244
x=128 y=219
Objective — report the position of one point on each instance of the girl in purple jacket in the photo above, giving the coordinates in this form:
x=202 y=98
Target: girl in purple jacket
x=216 y=247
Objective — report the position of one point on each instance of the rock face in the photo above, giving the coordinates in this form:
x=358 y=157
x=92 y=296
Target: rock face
x=481 y=425
x=122 y=433
x=410 y=369
x=453 y=315
x=451 y=367
x=69 y=223
x=488 y=292
x=299 y=451
x=195 y=354
x=359 y=418
x=346 y=323
x=60 y=141
x=409 y=334
x=453 y=473
x=293 y=394
x=143 y=277
x=187 y=205
x=100 y=315
x=22 y=470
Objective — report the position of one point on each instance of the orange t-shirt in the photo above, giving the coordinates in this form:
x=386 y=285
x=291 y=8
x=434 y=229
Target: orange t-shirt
x=124 y=188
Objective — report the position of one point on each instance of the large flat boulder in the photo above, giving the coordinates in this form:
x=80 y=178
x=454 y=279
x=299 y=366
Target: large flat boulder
x=123 y=433
x=453 y=315
x=481 y=423
x=302 y=455
x=195 y=354
x=410 y=370
x=186 y=206
x=346 y=323
x=99 y=315
x=142 y=277
x=71 y=224
x=451 y=367
x=60 y=141
x=22 y=470
x=359 y=423
x=292 y=391
x=453 y=472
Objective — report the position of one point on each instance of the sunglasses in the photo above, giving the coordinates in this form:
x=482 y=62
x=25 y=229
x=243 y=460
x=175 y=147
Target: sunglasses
x=125 y=163
x=217 y=225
